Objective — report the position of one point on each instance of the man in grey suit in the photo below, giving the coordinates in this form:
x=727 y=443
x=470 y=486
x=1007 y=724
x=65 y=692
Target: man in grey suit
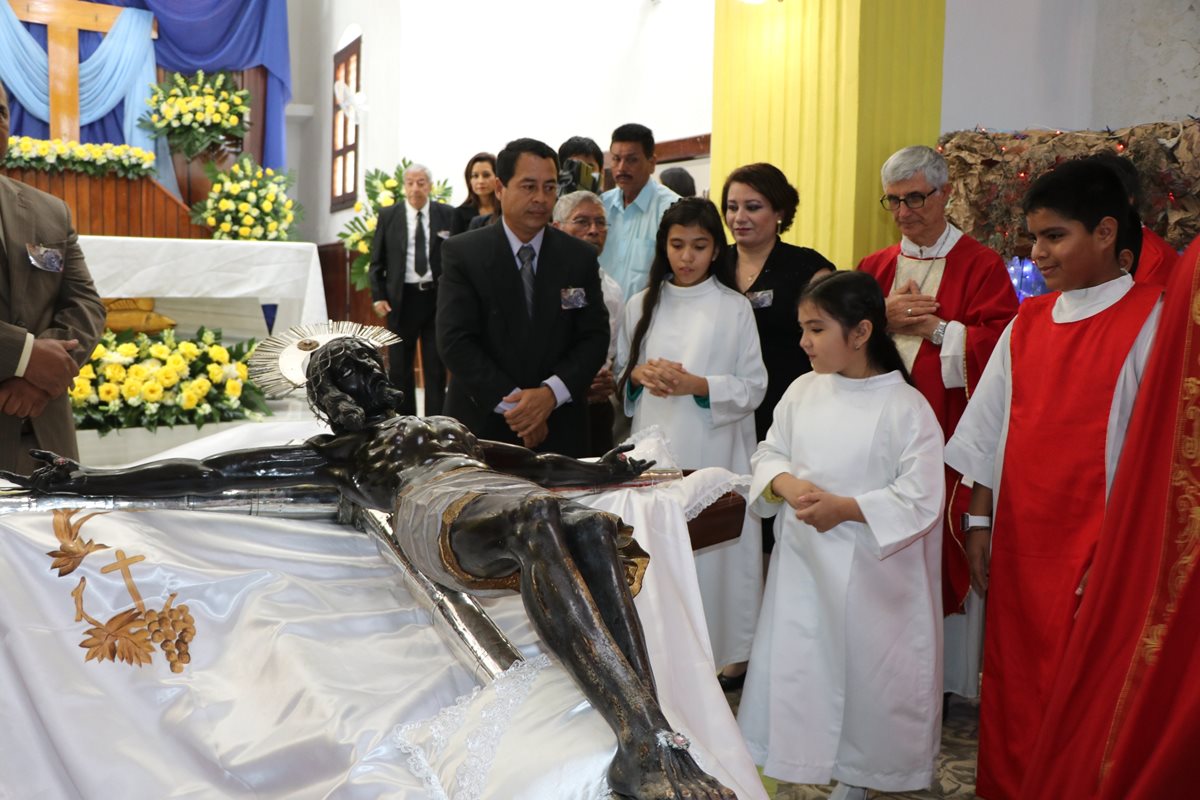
x=521 y=320
x=406 y=266
x=50 y=319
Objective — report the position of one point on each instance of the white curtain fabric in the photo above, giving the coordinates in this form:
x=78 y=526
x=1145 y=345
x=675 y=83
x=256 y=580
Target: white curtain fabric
x=312 y=672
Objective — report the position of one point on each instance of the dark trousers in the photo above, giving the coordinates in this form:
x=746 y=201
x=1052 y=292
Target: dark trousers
x=414 y=321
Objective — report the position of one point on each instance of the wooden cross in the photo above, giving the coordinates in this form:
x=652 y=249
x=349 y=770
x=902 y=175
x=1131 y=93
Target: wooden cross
x=122 y=565
x=64 y=19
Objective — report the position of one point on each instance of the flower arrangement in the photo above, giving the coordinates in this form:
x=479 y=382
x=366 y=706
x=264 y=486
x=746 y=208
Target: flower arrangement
x=383 y=190
x=248 y=202
x=56 y=155
x=197 y=113
x=134 y=380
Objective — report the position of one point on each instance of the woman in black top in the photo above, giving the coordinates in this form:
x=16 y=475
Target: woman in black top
x=760 y=204
x=481 y=192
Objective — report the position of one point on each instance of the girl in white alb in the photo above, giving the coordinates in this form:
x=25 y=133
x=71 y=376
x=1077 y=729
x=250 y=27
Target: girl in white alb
x=690 y=364
x=845 y=678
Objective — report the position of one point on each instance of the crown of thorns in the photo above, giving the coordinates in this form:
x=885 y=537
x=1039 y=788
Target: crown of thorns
x=280 y=362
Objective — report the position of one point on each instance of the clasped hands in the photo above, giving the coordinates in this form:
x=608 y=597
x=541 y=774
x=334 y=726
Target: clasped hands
x=663 y=378
x=813 y=505
x=527 y=418
x=49 y=373
x=911 y=313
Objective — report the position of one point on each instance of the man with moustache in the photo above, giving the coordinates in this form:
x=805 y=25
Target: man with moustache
x=50 y=319
x=634 y=208
x=521 y=322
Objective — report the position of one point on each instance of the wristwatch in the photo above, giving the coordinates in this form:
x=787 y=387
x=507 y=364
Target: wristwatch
x=972 y=522
x=939 y=333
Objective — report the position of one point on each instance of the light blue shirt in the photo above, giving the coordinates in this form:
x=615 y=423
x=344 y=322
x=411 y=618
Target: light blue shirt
x=631 y=232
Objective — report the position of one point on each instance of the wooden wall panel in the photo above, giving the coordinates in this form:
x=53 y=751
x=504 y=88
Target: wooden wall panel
x=112 y=206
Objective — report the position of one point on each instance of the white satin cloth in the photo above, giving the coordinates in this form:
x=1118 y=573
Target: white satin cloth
x=313 y=673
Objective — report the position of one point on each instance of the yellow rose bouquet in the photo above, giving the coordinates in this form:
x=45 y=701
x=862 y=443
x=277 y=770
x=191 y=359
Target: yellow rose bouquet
x=197 y=113
x=248 y=202
x=57 y=155
x=139 y=381
x=383 y=190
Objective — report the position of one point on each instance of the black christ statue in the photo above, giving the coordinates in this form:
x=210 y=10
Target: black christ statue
x=472 y=515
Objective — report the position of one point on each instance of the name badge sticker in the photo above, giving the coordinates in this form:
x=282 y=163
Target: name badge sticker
x=573 y=297
x=763 y=299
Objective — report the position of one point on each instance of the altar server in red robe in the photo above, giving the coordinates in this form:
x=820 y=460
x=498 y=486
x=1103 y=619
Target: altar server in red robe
x=948 y=299
x=1044 y=430
x=1123 y=721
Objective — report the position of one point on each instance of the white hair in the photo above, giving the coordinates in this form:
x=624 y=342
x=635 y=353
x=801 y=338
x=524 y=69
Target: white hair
x=567 y=204
x=419 y=168
x=907 y=162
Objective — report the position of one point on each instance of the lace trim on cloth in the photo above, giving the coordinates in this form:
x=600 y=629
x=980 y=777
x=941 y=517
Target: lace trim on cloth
x=511 y=688
x=730 y=483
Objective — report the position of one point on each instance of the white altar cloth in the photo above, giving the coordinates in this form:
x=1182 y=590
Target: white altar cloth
x=310 y=659
x=287 y=273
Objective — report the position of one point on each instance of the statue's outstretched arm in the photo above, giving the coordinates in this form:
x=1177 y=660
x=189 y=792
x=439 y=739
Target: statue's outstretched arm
x=268 y=467
x=552 y=469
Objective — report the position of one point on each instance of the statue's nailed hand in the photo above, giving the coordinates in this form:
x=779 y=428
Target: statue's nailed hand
x=57 y=474
x=622 y=466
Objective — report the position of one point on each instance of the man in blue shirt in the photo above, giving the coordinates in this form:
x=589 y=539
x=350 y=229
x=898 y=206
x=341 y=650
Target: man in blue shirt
x=634 y=208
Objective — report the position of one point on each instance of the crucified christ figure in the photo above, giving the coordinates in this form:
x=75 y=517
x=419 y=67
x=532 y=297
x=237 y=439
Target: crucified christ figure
x=472 y=515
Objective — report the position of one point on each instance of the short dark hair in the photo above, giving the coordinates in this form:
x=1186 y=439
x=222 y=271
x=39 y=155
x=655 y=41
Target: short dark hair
x=506 y=160
x=679 y=181
x=1087 y=191
x=769 y=181
x=633 y=132
x=580 y=146
x=1124 y=169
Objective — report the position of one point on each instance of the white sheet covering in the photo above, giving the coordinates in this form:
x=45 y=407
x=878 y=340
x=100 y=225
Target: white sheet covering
x=308 y=660
x=288 y=273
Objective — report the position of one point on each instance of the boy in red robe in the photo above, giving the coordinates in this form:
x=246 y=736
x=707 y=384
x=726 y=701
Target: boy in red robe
x=1123 y=721
x=1045 y=430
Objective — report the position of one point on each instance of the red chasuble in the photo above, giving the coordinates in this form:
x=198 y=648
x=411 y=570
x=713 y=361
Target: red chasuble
x=1049 y=510
x=1156 y=260
x=976 y=291
x=1123 y=720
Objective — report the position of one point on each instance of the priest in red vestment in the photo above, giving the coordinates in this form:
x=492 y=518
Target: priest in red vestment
x=948 y=299
x=1123 y=719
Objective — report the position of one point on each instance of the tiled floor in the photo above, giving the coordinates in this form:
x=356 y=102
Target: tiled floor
x=955 y=777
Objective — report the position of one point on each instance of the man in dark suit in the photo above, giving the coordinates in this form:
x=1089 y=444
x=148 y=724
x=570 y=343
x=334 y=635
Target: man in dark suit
x=406 y=266
x=50 y=319
x=521 y=320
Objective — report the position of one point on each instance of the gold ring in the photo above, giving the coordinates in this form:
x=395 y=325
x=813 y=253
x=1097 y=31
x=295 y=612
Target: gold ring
x=909 y=312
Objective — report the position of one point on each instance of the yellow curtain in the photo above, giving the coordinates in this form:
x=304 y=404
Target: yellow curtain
x=826 y=90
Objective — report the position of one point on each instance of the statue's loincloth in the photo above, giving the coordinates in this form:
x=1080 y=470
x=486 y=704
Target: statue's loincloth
x=426 y=510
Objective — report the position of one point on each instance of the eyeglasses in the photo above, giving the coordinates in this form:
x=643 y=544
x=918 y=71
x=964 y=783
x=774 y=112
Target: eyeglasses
x=913 y=200
x=586 y=222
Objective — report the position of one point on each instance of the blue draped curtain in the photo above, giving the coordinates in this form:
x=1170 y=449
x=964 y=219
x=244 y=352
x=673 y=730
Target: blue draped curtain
x=200 y=34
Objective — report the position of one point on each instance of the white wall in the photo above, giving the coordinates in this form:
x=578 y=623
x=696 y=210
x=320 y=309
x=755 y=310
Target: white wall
x=1069 y=64
x=1149 y=69
x=445 y=80
x=1018 y=64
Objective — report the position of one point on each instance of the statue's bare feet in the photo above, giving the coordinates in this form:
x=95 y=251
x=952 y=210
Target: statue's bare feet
x=662 y=769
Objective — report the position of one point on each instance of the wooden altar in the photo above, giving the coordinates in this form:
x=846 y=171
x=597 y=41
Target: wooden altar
x=114 y=206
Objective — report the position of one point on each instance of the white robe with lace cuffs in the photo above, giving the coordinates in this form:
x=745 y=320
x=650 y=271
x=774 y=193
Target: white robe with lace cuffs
x=845 y=677
x=709 y=328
